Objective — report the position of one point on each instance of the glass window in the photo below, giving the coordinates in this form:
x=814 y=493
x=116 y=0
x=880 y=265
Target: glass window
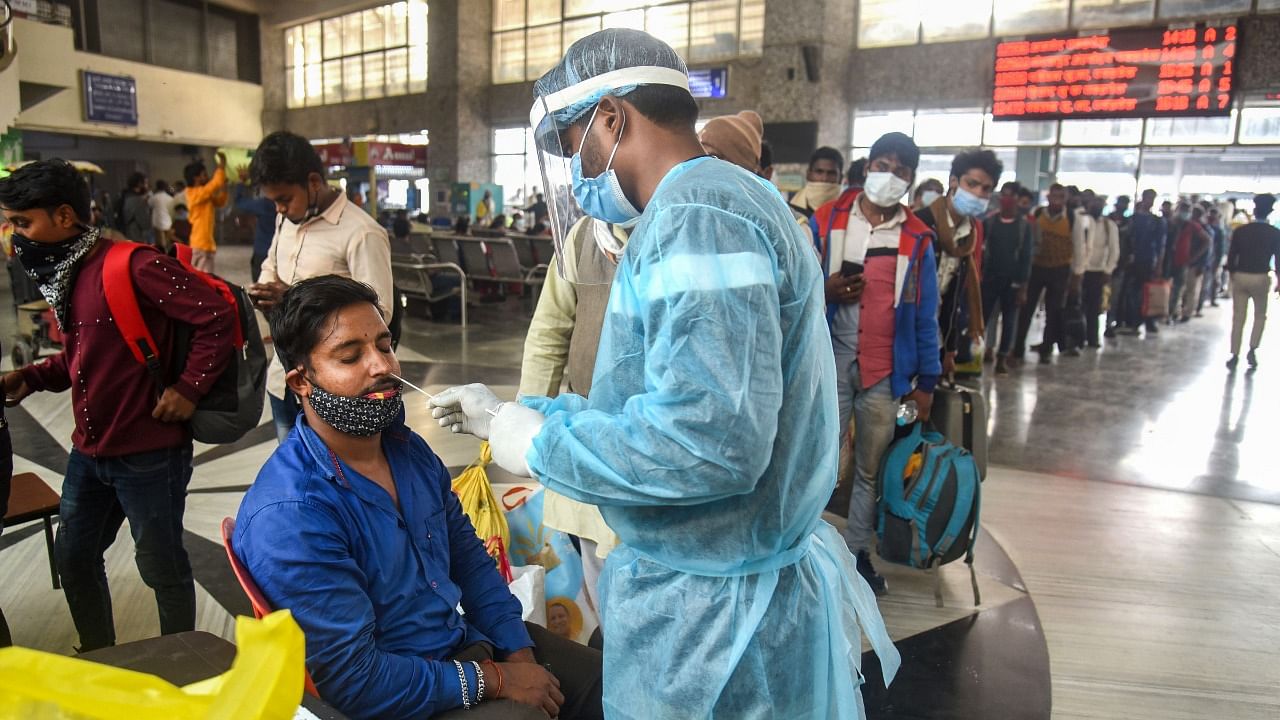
x=888 y=22
x=374 y=75
x=542 y=50
x=508 y=56
x=397 y=71
x=341 y=59
x=332 y=33
x=375 y=31
x=397 y=18
x=545 y=11
x=752 y=28
x=508 y=141
x=868 y=127
x=633 y=19
x=714 y=33
x=948 y=128
x=582 y=7
x=315 y=84
x=946 y=20
x=333 y=81
x=670 y=24
x=515 y=167
x=311 y=41
x=353 y=34
x=1109 y=13
x=508 y=14
x=418 y=68
x=1109 y=172
x=1019 y=132
x=1192 y=130
x=352 y=79
x=295 y=84
x=1101 y=132
x=1269 y=4
x=1202 y=8
x=293 y=52
x=1260 y=125
x=575 y=30
x=1014 y=17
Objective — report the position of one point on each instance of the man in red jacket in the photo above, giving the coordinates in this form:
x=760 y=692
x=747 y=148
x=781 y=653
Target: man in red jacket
x=131 y=454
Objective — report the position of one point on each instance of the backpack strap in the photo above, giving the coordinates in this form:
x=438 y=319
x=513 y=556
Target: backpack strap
x=122 y=301
x=182 y=251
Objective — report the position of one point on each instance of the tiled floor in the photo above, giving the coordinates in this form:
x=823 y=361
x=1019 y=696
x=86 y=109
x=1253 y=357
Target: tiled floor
x=1130 y=512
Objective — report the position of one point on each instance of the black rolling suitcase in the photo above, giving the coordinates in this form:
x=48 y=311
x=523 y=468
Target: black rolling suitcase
x=960 y=414
x=1073 y=326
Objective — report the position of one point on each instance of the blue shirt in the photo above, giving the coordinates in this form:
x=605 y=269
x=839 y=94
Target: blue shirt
x=265 y=211
x=375 y=588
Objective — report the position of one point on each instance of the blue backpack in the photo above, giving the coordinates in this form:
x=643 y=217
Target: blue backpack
x=929 y=517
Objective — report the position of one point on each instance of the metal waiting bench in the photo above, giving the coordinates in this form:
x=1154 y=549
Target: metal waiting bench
x=412 y=275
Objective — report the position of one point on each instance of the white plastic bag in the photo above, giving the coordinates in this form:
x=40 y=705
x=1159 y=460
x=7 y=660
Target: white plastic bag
x=529 y=587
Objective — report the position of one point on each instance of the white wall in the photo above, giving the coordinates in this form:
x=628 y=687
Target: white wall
x=173 y=106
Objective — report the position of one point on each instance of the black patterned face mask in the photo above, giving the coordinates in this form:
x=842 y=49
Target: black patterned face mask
x=53 y=267
x=359 y=416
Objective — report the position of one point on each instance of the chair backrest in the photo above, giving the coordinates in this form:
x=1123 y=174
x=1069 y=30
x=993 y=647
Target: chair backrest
x=407 y=274
x=543 y=249
x=524 y=250
x=474 y=258
x=420 y=243
x=259 y=601
x=505 y=260
x=446 y=249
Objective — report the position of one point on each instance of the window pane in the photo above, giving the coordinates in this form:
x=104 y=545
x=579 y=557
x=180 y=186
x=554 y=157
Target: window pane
x=670 y=24
x=1109 y=172
x=1269 y=4
x=311 y=41
x=332 y=38
x=582 y=7
x=332 y=81
x=417 y=22
x=508 y=141
x=955 y=19
x=175 y=36
x=374 y=75
x=352 y=78
x=544 y=11
x=1260 y=125
x=752 y=40
x=397 y=16
x=352 y=34
x=315 y=84
x=295 y=83
x=417 y=68
x=293 y=52
x=1101 y=132
x=542 y=50
x=375 y=29
x=508 y=14
x=508 y=171
x=575 y=30
x=397 y=71
x=1019 y=132
x=508 y=57
x=633 y=19
x=1201 y=8
x=1107 y=13
x=868 y=127
x=888 y=22
x=1025 y=16
x=1191 y=130
x=943 y=128
x=715 y=30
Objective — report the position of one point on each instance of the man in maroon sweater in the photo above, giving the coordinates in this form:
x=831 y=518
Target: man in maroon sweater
x=131 y=454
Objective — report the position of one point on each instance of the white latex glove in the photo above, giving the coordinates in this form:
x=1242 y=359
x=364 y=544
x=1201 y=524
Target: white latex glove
x=465 y=409
x=511 y=436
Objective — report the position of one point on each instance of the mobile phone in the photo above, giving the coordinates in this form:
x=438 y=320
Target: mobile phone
x=849 y=269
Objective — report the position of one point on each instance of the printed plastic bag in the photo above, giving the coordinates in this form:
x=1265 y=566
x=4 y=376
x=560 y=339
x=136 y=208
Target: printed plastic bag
x=264 y=682
x=476 y=495
x=568 y=613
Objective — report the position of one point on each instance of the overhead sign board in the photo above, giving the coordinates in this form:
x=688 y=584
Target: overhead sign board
x=110 y=98
x=709 y=83
x=1186 y=70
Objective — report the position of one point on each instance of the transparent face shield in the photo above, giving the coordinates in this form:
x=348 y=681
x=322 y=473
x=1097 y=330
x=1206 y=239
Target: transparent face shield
x=551 y=117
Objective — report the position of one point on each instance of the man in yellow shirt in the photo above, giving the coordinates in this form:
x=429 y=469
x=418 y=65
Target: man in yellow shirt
x=204 y=196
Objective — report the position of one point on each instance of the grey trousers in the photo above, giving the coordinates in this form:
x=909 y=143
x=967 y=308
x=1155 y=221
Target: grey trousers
x=875 y=412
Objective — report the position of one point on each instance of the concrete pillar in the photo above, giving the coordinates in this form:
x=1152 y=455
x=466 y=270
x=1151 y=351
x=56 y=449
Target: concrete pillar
x=458 y=77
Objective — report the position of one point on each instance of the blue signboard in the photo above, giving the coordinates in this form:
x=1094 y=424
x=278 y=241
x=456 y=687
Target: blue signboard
x=709 y=83
x=110 y=98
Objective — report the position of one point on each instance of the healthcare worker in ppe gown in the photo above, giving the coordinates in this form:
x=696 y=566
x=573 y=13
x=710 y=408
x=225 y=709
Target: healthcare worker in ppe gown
x=709 y=439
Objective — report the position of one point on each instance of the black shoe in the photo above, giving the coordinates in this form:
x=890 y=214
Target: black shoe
x=1041 y=348
x=1110 y=333
x=1002 y=367
x=1233 y=362
x=1153 y=329
x=1252 y=357
x=1094 y=345
x=1128 y=331
x=1045 y=359
x=868 y=573
x=1072 y=352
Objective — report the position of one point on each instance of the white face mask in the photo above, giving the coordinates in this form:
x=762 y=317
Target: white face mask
x=884 y=189
x=928 y=196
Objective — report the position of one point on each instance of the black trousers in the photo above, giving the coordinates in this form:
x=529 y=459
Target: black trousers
x=1000 y=292
x=1092 y=287
x=579 y=669
x=1053 y=283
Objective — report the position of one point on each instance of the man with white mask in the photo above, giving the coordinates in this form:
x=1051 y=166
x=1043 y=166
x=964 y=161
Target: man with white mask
x=882 y=306
x=821 y=182
x=709 y=439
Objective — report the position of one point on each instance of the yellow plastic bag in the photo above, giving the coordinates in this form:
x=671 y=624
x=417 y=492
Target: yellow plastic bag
x=264 y=682
x=476 y=496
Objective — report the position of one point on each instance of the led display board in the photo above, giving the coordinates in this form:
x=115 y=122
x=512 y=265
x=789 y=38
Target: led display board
x=1174 y=71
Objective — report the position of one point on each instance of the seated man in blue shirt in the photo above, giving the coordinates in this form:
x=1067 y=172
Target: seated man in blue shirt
x=352 y=526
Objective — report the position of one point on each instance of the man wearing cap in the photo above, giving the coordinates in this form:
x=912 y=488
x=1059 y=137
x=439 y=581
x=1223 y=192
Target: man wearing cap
x=735 y=139
x=709 y=441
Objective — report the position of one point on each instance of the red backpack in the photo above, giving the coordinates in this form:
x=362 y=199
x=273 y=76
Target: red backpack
x=233 y=406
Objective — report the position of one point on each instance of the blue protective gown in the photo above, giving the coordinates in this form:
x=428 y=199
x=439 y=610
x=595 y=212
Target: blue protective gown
x=709 y=444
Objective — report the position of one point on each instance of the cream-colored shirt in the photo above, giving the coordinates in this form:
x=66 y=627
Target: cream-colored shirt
x=343 y=240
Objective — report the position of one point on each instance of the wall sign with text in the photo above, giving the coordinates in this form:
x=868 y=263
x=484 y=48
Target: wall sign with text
x=110 y=98
x=1127 y=73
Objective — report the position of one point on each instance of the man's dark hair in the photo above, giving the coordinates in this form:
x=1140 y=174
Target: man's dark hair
x=827 y=153
x=664 y=105
x=1026 y=192
x=137 y=181
x=1012 y=187
x=1057 y=186
x=857 y=171
x=302 y=317
x=1122 y=199
x=283 y=158
x=984 y=160
x=1263 y=205
x=46 y=185
x=896 y=143
x=1197 y=212
x=162 y=186
x=192 y=171
x=766 y=155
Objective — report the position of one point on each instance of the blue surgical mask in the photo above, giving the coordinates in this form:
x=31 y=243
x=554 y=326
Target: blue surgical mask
x=968 y=204
x=602 y=197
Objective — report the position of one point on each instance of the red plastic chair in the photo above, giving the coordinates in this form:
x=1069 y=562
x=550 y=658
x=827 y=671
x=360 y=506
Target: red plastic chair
x=259 y=602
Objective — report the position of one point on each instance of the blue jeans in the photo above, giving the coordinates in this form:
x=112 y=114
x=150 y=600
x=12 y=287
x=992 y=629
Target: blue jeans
x=148 y=488
x=284 y=412
x=875 y=417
